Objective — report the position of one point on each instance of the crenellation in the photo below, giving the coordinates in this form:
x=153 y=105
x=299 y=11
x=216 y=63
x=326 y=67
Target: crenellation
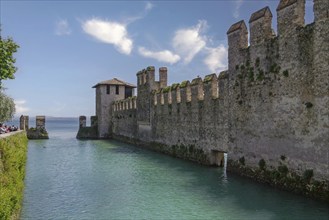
x=144 y=80
x=290 y=15
x=155 y=98
x=260 y=25
x=175 y=89
x=197 y=85
x=139 y=78
x=166 y=97
x=271 y=102
x=93 y=121
x=185 y=91
x=211 y=80
x=40 y=122
x=123 y=106
x=163 y=77
x=321 y=10
x=237 y=39
x=126 y=102
x=161 y=97
x=82 y=121
x=158 y=98
x=168 y=94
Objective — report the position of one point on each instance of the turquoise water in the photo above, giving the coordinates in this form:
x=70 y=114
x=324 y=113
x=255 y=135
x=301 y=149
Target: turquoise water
x=71 y=179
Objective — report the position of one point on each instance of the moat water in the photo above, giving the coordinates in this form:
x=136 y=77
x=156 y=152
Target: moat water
x=71 y=179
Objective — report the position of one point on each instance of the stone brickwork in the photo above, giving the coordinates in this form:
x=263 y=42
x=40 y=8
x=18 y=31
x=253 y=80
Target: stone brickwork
x=40 y=122
x=268 y=111
x=39 y=132
x=88 y=132
x=24 y=122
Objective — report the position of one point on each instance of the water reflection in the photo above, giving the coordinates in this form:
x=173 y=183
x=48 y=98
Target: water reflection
x=72 y=179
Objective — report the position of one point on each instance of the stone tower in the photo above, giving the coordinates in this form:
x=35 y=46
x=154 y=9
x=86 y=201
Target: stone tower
x=107 y=92
x=145 y=84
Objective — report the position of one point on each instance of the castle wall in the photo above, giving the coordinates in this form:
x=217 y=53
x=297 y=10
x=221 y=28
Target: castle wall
x=124 y=118
x=268 y=111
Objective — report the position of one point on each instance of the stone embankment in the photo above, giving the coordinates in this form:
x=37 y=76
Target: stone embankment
x=39 y=132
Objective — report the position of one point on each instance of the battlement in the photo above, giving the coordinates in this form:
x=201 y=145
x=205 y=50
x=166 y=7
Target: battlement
x=125 y=104
x=321 y=10
x=270 y=106
x=291 y=15
x=290 y=25
x=197 y=90
x=146 y=78
x=260 y=26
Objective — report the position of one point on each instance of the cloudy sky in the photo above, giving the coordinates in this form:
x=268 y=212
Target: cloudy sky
x=66 y=47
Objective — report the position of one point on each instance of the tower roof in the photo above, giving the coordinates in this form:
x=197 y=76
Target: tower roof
x=114 y=81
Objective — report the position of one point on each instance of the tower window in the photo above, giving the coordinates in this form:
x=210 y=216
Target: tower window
x=107 y=89
x=117 y=90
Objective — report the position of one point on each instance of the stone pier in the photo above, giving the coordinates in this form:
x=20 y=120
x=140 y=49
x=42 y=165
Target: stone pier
x=39 y=132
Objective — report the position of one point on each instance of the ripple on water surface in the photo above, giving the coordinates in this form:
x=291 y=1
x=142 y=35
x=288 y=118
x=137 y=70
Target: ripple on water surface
x=71 y=179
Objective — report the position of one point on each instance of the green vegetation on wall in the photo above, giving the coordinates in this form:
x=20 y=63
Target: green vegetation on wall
x=13 y=150
x=283 y=178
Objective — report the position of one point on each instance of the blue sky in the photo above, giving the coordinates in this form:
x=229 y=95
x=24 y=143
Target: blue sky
x=66 y=47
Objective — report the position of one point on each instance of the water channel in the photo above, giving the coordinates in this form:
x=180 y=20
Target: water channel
x=72 y=179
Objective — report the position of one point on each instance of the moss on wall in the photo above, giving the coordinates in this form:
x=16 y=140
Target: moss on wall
x=13 y=150
x=87 y=133
x=281 y=177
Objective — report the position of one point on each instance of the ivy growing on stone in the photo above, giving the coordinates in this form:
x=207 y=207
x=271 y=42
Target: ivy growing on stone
x=285 y=73
x=242 y=160
x=262 y=164
x=208 y=78
x=308 y=105
x=174 y=86
x=183 y=84
x=166 y=89
x=283 y=169
x=307 y=175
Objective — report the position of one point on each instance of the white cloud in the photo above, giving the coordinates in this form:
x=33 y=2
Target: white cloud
x=216 y=60
x=238 y=4
x=109 y=32
x=148 y=6
x=188 y=42
x=20 y=107
x=162 y=56
x=62 y=28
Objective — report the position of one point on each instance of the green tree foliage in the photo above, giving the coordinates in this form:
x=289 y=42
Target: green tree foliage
x=7 y=107
x=7 y=70
x=7 y=49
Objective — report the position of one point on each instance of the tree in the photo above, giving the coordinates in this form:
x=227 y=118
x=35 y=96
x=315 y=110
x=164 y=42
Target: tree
x=7 y=68
x=7 y=107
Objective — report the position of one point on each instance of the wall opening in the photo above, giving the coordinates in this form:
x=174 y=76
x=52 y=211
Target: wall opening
x=116 y=89
x=219 y=158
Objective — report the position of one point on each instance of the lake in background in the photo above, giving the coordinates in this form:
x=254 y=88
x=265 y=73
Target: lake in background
x=68 y=178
